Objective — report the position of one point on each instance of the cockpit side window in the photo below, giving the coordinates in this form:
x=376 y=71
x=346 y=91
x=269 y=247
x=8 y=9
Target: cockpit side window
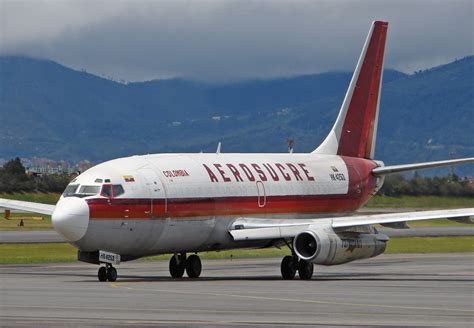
x=106 y=191
x=118 y=190
x=110 y=191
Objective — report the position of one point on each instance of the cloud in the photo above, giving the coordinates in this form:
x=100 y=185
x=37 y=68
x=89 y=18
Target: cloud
x=228 y=40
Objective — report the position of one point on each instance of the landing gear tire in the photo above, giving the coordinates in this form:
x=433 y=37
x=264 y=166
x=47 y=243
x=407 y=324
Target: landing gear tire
x=305 y=270
x=102 y=274
x=177 y=266
x=193 y=266
x=288 y=267
x=107 y=273
x=111 y=274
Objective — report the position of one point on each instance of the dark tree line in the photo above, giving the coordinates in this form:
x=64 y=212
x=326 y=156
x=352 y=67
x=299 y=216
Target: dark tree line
x=450 y=185
x=13 y=178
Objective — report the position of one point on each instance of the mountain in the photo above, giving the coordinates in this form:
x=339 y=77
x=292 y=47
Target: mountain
x=49 y=110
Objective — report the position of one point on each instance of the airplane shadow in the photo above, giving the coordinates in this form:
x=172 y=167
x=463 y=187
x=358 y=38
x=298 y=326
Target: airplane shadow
x=364 y=276
x=316 y=278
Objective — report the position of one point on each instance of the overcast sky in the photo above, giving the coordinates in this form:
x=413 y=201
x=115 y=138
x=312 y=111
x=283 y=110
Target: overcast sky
x=229 y=40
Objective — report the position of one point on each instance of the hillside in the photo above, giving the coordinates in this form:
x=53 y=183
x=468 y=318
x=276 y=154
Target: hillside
x=49 y=110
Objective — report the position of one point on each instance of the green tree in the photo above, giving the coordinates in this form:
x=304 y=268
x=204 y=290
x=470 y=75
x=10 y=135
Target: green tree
x=15 y=168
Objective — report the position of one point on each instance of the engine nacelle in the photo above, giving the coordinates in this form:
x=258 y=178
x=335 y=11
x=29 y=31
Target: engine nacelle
x=327 y=247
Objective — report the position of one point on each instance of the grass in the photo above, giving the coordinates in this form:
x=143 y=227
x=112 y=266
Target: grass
x=437 y=223
x=63 y=252
x=405 y=245
x=37 y=253
x=37 y=197
x=28 y=225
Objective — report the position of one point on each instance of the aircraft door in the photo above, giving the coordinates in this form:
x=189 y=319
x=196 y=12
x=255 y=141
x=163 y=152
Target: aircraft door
x=262 y=197
x=155 y=192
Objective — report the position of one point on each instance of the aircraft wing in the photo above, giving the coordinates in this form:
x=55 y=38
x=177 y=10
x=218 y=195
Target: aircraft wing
x=27 y=206
x=257 y=228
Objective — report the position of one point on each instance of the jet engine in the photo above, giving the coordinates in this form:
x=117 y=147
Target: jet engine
x=328 y=247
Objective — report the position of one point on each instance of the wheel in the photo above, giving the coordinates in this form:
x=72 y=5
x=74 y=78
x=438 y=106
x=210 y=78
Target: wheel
x=193 y=266
x=288 y=267
x=111 y=274
x=177 y=270
x=305 y=270
x=102 y=274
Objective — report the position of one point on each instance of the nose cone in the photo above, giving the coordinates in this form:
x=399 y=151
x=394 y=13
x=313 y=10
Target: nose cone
x=71 y=218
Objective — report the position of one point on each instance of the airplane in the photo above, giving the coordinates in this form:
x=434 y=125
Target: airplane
x=182 y=204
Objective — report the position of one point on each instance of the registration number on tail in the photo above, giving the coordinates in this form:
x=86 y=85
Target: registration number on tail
x=107 y=257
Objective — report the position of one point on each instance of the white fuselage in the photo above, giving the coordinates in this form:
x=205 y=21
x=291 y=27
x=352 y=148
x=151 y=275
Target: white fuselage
x=186 y=202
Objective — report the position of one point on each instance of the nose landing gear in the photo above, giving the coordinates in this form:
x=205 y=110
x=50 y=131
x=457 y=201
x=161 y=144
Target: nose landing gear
x=179 y=263
x=107 y=273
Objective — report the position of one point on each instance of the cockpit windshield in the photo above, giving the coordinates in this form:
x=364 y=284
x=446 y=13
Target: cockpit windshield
x=74 y=190
x=70 y=190
x=89 y=190
x=105 y=190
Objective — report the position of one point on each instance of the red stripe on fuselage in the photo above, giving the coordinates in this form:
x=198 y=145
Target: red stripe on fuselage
x=219 y=206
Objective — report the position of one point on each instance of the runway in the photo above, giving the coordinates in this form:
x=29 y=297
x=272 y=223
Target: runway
x=390 y=290
x=30 y=236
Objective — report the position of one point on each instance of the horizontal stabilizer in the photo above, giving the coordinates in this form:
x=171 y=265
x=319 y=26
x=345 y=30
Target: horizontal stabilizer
x=383 y=170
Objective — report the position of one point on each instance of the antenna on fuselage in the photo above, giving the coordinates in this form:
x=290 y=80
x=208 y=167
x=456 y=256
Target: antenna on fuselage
x=218 y=150
x=291 y=143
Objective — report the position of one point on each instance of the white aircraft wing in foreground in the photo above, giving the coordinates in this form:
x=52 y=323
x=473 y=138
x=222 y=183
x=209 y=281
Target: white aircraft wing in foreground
x=27 y=206
x=256 y=228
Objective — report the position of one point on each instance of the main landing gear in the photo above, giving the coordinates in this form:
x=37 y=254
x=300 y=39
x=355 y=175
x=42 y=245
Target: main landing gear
x=291 y=263
x=107 y=273
x=179 y=263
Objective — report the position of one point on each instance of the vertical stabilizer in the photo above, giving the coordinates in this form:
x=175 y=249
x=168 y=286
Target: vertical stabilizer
x=355 y=129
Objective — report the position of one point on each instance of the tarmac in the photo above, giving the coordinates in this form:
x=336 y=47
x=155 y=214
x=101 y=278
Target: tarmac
x=53 y=237
x=390 y=290
x=33 y=236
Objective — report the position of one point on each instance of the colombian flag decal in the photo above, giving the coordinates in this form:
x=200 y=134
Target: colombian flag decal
x=128 y=178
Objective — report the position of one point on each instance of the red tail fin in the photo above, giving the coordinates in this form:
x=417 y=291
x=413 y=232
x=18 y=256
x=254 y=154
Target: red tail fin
x=354 y=132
